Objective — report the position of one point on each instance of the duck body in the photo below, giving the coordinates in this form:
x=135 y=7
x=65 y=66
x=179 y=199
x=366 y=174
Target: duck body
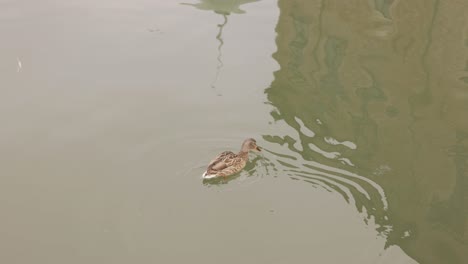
x=225 y=164
x=229 y=163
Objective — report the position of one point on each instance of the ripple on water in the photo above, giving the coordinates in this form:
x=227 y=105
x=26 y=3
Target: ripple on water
x=366 y=195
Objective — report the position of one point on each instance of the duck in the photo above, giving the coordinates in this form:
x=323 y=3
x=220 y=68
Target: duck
x=228 y=163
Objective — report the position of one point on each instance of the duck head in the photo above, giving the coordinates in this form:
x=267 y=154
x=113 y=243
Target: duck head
x=250 y=144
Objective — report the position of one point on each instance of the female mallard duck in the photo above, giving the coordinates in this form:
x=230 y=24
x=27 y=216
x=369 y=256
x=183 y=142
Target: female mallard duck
x=228 y=163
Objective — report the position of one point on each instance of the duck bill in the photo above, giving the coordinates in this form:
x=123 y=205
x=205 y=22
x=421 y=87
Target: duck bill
x=258 y=148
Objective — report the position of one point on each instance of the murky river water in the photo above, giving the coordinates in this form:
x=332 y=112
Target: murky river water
x=110 y=111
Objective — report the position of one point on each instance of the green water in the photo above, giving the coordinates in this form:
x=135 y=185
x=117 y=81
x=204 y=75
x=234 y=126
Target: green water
x=110 y=111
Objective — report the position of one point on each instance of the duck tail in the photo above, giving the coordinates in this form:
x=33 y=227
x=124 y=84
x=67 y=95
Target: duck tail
x=208 y=176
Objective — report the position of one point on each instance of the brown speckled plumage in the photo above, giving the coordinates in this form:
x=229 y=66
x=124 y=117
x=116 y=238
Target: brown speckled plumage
x=229 y=163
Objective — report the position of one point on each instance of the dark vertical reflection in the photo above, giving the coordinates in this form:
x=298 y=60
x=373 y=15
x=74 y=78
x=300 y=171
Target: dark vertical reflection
x=219 y=37
x=377 y=92
x=223 y=8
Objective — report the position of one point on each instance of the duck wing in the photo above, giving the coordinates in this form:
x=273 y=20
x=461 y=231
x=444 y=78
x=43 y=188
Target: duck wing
x=222 y=161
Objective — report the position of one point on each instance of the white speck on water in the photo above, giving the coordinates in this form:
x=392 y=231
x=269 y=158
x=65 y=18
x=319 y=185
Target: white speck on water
x=19 y=65
x=382 y=170
x=406 y=234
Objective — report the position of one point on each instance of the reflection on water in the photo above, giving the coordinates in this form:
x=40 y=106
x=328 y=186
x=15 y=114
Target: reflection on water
x=107 y=128
x=376 y=94
x=223 y=8
x=221 y=43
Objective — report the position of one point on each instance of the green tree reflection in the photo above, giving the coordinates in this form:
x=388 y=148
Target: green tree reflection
x=381 y=88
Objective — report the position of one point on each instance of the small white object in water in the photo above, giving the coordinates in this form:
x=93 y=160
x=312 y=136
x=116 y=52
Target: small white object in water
x=382 y=170
x=19 y=65
x=406 y=234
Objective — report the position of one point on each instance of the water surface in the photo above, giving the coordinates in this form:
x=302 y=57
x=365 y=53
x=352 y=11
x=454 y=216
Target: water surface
x=110 y=111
